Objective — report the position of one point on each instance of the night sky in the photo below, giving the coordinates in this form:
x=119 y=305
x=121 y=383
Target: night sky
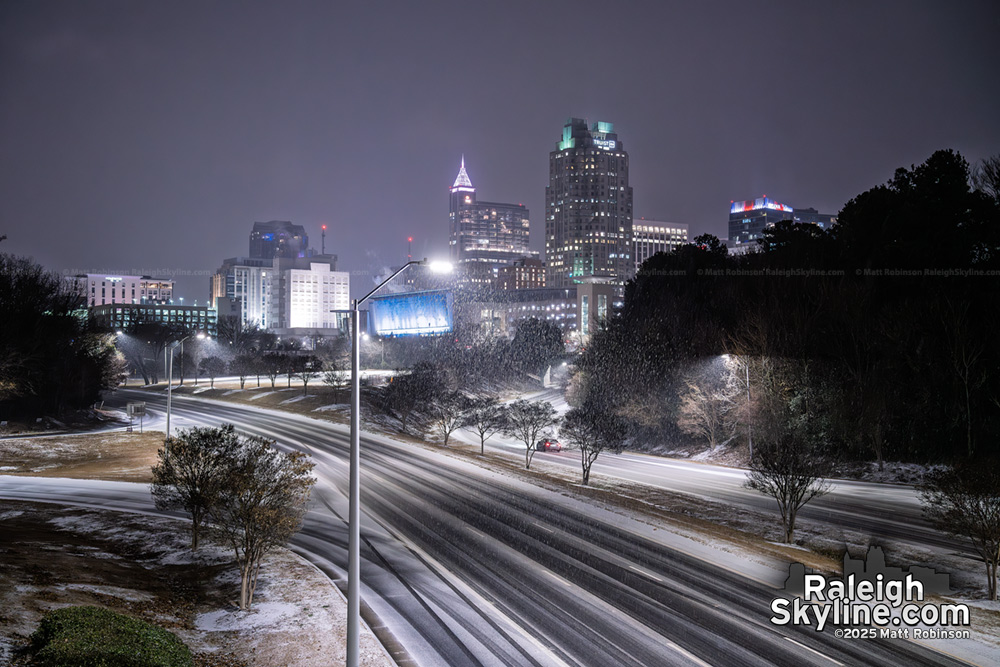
x=148 y=136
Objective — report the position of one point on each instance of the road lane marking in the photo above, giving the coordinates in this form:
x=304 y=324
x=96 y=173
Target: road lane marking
x=813 y=651
x=559 y=579
x=687 y=654
x=643 y=572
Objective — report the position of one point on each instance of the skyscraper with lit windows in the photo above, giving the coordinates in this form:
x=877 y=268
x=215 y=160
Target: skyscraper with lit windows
x=487 y=234
x=588 y=208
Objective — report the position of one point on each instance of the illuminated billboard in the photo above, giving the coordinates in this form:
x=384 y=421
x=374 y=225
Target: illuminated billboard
x=412 y=314
x=756 y=204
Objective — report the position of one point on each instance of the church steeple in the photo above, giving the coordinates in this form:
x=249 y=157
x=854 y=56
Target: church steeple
x=463 y=178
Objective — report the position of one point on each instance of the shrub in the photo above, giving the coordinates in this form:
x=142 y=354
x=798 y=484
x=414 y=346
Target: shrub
x=98 y=637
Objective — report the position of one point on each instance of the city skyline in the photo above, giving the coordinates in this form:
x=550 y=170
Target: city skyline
x=146 y=139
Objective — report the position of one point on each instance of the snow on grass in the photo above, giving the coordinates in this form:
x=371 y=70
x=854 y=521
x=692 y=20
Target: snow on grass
x=113 y=591
x=260 y=615
x=332 y=406
x=170 y=547
x=6 y=650
x=299 y=611
x=293 y=399
x=262 y=395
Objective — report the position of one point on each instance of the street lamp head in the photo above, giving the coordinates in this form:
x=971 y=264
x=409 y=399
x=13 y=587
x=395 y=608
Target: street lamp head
x=119 y=333
x=439 y=267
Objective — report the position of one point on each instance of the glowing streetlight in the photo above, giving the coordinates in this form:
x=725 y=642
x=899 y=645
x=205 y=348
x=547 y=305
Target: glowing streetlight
x=170 y=375
x=354 y=508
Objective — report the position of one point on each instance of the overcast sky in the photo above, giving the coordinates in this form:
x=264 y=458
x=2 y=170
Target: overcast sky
x=149 y=135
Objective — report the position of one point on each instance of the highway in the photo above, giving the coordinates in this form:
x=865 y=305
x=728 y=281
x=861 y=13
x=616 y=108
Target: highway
x=880 y=511
x=464 y=566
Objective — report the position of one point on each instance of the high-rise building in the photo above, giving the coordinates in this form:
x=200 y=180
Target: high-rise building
x=811 y=216
x=651 y=237
x=588 y=208
x=525 y=273
x=278 y=238
x=748 y=219
x=284 y=293
x=489 y=233
x=309 y=293
x=246 y=282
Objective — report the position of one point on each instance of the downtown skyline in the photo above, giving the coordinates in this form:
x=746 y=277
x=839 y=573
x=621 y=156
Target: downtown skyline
x=153 y=137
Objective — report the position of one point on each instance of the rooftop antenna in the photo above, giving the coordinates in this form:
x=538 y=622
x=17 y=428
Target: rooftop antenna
x=323 y=241
x=409 y=248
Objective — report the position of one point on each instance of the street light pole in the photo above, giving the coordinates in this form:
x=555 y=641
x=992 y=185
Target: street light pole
x=746 y=366
x=170 y=384
x=170 y=375
x=354 y=511
x=354 y=505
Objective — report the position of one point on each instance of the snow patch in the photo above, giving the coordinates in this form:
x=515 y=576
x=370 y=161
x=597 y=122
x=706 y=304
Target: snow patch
x=261 y=615
x=10 y=514
x=114 y=591
x=294 y=399
x=333 y=406
x=266 y=393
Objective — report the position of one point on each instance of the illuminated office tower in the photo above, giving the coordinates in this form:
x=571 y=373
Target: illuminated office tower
x=588 y=208
x=487 y=234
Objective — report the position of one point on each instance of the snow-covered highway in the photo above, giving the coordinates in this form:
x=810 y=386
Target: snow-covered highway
x=465 y=566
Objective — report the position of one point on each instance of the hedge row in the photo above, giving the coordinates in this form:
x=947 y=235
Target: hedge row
x=98 y=637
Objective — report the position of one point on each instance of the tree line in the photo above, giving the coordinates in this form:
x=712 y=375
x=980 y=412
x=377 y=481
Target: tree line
x=871 y=339
x=51 y=361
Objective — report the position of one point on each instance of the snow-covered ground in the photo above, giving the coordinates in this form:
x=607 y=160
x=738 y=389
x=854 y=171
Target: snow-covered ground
x=298 y=617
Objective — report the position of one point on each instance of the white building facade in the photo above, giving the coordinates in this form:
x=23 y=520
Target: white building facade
x=282 y=294
x=98 y=289
x=311 y=297
x=651 y=237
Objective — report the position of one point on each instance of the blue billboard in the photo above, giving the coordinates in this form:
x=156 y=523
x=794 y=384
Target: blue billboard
x=412 y=314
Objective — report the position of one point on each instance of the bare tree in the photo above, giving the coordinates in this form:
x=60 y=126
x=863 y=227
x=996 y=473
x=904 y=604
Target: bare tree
x=189 y=473
x=707 y=414
x=965 y=501
x=527 y=421
x=241 y=338
x=307 y=368
x=966 y=350
x=448 y=412
x=213 y=367
x=986 y=177
x=593 y=431
x=335 y=375
x=486 y=417
x=261 y=504
x=273 y=364
x=790 y=472
x=406 y=393
x=243 y=365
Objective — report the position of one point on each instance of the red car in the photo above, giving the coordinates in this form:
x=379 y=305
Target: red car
x=548 y=444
